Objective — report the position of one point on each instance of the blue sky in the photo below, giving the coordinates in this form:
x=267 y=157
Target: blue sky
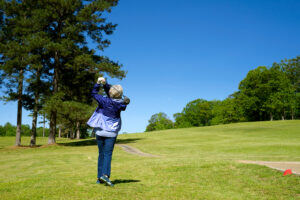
x=178 y=51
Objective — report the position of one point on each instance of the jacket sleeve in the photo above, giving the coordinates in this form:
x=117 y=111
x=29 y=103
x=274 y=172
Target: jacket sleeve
x=95 y=95
x=123 y=107
x=106 y=88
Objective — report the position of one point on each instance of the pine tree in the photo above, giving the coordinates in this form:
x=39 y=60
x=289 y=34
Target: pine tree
x=15 y=34
x=68 y=24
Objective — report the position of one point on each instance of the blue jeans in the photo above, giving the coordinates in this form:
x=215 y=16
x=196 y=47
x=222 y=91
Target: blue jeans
x=106 y=147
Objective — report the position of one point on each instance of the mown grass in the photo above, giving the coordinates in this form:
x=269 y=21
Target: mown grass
x=194 y=163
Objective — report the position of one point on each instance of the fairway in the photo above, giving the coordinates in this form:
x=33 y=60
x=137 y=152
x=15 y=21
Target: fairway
x=192 y=163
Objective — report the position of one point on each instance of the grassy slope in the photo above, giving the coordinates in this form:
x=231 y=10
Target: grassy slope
x=196 y=163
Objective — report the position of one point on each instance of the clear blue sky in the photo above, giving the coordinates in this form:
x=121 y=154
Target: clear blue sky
x=178 y=51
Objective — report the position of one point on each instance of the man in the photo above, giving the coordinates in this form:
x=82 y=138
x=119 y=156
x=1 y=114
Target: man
x=106 y=121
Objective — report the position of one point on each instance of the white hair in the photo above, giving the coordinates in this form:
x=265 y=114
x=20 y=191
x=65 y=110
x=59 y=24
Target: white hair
x=116 y=92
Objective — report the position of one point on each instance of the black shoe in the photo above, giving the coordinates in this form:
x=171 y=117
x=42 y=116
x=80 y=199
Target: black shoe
x=106 y=180
x=99 y=181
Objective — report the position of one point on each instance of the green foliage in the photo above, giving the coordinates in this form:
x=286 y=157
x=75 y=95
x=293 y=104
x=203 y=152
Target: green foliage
x=292 y=69
x=254 y=90
x=16 y=32
x=26 y=130
x=159 y=121
x=72 y=116
x=267 y=93
x=227 y=111
x=2 y=131
x=181 y=121
x=39 y=132
x=10 y=130
x=198 y=112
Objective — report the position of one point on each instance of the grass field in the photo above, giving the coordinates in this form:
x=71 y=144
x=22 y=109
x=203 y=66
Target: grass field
x=194 y=163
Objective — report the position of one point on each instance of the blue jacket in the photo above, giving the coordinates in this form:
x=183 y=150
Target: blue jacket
x=107 y=116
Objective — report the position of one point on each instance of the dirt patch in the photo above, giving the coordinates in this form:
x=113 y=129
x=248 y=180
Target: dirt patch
x=281 y=166
x=135 y=151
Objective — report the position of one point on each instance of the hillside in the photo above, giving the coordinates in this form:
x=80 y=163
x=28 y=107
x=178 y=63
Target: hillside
x=193 y=163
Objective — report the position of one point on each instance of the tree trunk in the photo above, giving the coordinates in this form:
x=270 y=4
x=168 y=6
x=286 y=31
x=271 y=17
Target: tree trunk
x=52 y=133
x=72 y=134
x=44 y=123
x=59 y=131
x=35 y=111
x=283 y=115
x=77 y=131
x=34 y=121
x=19 y=114
x=271 y=117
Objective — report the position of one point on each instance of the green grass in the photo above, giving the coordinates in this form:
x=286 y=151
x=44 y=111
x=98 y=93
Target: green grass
x=195 y=163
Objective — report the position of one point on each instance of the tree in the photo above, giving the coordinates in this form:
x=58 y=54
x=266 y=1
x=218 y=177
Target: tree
x=198 y=112
x=292 y=69
x=35 y=95
x=181 y=121
x=266 y=93
x=38 y=87
x=67 y=25
x=74 y=114
x=281 y=99
x=227 y=111
x=2 y=131
x=159 y=121
x=253 y=92
x=15 y=35
x=43 y=113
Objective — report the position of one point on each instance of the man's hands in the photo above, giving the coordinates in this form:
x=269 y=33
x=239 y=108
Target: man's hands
x=101 y=80
x=126 y=100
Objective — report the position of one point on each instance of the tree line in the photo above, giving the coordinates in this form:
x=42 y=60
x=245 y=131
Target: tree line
x=47 y=65
x=266 y=93
x=10 y=130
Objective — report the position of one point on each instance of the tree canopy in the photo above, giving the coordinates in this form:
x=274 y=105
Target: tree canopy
x=159 y=121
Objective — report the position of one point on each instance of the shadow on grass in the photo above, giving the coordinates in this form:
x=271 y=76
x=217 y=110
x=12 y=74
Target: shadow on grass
x=88 y=142
x=91 y=142
x=119 y=181
x=24 y=147
x=126 y=141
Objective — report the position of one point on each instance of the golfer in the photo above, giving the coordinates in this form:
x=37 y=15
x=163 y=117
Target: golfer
x=106 y=121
